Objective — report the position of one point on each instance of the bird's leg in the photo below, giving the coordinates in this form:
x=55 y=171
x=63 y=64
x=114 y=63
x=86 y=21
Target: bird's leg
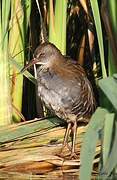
x=74 y=130
x=65 y=141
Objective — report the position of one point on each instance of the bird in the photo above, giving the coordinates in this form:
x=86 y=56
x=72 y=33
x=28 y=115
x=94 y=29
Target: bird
x=65 y=89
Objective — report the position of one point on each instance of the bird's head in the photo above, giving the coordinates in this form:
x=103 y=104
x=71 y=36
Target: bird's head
x=43 y=55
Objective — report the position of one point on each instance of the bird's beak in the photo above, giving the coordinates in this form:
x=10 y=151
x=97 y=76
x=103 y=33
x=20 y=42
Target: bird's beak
x=32 y=62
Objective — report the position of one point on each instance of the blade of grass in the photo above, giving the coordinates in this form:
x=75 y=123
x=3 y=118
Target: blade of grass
x=113 y=16
x=109 y=20
x=109 y=88
x=57 y=25
x=25 y=73
x=108 y=130
x=60 y=24
x=89 y=143
x=111 y=162
x=96 y=14
x=5 y=99
x=19 y=11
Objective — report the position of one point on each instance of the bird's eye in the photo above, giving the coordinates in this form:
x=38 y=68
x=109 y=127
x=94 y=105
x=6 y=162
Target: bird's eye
x=40 y=55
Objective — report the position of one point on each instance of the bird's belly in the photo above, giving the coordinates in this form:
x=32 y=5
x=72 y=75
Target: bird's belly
x=50 y=98
x=68 y=100
x=54 y=102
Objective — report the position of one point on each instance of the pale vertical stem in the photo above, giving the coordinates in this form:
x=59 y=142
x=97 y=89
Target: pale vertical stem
x=57 y=25
x=5 y=98
x=16 y=48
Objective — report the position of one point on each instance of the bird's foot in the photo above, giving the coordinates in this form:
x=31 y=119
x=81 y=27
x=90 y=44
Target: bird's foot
x=61 y=154
x=68 y=147
x=73 y=156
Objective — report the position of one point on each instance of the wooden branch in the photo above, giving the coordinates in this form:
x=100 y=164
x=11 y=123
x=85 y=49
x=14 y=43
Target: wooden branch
x=32 y=147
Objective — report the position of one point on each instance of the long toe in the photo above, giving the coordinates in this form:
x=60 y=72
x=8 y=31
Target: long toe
x=60 y=154
x=73 y=156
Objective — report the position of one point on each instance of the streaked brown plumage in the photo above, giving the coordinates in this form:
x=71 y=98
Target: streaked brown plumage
x=64 y=88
